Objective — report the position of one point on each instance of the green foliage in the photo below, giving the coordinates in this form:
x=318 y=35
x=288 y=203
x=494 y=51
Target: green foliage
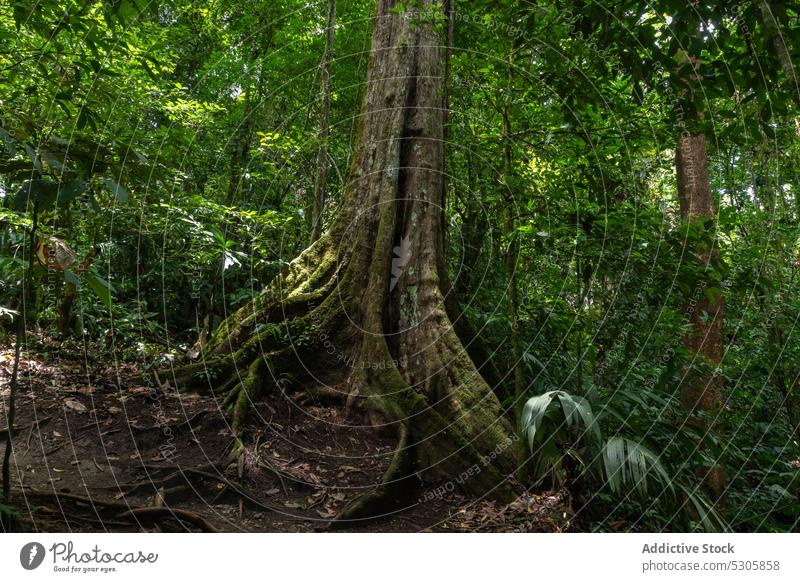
x=567 y=444
x=557 y=424
x=629 y=464
x=7 y=513
x=179 y=141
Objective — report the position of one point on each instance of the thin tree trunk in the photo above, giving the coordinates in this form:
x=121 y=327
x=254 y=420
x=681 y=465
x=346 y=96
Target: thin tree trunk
x=237 y=149
x=512 y=255
x=253 y=95
x=27 y=288
x=449 y=7
x=773 y=32
x=473 y=232
x=705 y=311
x=32 y=296
x=240 y=153
x=474 y=344
x=324 y=127
x=12 y=411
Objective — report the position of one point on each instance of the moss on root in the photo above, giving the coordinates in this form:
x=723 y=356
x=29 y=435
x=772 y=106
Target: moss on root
x=247 y=391
x=398 y=484
x=443 y=448
x=434 y=442
x=450 y=425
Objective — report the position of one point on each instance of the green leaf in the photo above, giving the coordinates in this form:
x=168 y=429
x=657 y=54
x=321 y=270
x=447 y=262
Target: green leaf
x=7 y=511
x=100 y=287
x=578 y=406
x=533 y=414
x=39 y=192
x=69 y=191
x=705 y=510
x=71 y=277
x=34 y=158
x=118 y=191
x=217 y=234
x=630 y=465
x=55 y=164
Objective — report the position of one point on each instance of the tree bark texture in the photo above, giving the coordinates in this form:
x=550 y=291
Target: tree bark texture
x=362 y=312
x=705 y=313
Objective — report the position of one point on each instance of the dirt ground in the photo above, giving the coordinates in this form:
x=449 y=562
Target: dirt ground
x=98 y=446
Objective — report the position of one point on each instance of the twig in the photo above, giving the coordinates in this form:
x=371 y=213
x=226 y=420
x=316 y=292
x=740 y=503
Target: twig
x=18 y=429
x=52 y=450
x=244 y=493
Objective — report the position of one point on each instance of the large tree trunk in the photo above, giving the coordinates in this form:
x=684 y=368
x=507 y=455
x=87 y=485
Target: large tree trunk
x=363 y=311
x=705 y=311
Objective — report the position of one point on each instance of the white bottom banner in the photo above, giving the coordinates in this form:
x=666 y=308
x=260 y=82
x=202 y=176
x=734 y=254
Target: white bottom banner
x=390 y=557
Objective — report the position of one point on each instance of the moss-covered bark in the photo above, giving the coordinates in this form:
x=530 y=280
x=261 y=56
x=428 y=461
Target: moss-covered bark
x=369 y=299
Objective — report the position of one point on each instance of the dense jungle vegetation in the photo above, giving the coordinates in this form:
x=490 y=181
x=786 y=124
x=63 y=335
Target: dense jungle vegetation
x=535 y=263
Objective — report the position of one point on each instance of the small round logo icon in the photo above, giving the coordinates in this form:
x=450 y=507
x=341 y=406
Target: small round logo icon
x=31 y=555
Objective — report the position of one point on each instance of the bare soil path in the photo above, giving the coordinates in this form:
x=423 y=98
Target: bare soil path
x=98 y=446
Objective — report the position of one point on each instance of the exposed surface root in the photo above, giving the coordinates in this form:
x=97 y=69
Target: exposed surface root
x=449 y=438
x=150 y=514
x=247 y=391
x=124 y=511
x=398 y=485
x=307 y=462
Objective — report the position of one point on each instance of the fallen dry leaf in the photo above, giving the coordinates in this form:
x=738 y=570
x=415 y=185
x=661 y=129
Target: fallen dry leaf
x=75 y=405
x=326 y=512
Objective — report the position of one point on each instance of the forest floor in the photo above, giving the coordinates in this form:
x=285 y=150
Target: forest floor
x=96 y=448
